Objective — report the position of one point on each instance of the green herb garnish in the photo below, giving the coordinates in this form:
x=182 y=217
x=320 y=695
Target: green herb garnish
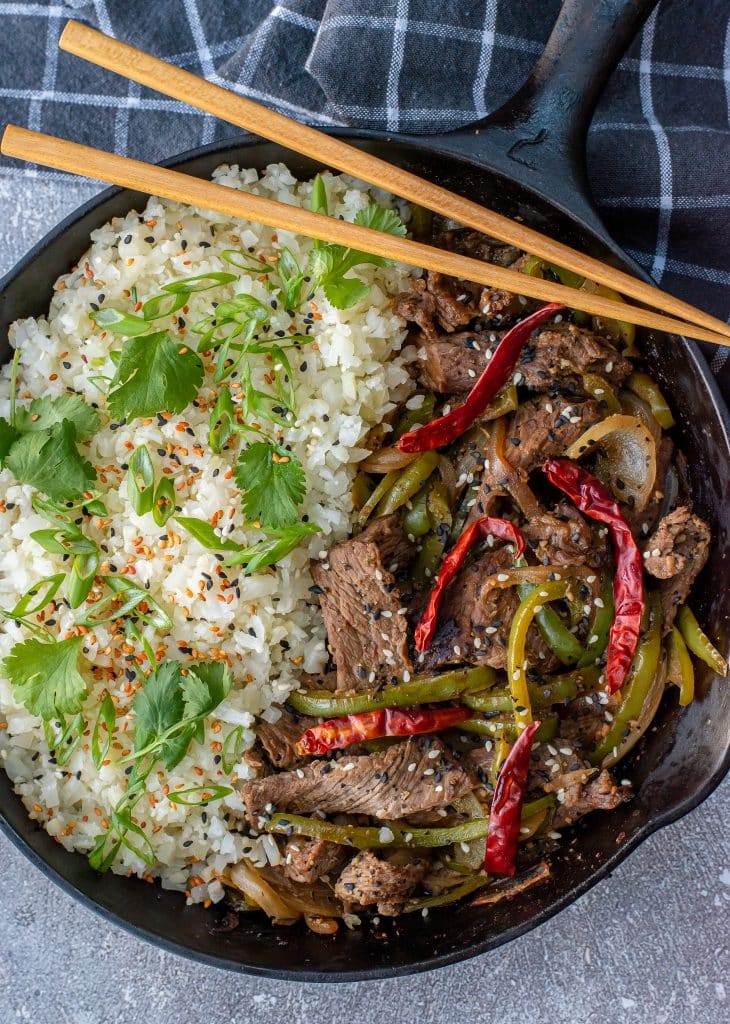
x=273 y=484
x=50 y=461
x=329 y=263
x=141 y=480
x=155 y=373
x=101 y=742
x=45 y=676
x=273 y=548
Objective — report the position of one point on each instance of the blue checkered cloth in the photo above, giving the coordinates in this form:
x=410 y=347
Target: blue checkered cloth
x=658 y=148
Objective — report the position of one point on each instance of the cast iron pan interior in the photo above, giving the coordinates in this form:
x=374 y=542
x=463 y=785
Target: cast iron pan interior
x=677 y=765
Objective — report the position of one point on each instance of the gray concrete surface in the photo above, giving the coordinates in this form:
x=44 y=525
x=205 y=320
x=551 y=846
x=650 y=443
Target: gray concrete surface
x=648 y=945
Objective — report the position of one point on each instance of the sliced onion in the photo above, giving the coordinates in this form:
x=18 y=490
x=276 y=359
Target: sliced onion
x=631 y=452
x=385 y=460
x=516 y=483
x=244 y=877
x=632 y=405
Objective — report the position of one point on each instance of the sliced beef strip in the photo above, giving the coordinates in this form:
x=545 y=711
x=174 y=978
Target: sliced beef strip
x=307 y=859
x=361 y=604
x=438 y=302
x=600 y=794
x=475 y=618
x=539 y=429
x=280 y=738
x=382 y=785
x=472 y=243
x=564 y=537
x=555 y=357
x=386 y=882
x=676 y=553
x=578 y=788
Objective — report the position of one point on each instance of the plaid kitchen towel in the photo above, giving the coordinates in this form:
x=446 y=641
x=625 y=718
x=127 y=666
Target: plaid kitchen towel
x=658 y=149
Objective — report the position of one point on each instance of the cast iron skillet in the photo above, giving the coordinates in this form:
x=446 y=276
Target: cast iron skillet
x=527 y=159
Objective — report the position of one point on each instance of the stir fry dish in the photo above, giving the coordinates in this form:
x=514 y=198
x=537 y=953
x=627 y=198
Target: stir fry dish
x=331 y=589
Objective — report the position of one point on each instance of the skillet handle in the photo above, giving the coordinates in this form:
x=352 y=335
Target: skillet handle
x=538 y=137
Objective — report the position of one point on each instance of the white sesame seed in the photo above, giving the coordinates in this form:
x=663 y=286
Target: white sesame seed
x=490 y=630
x=471 y=373
x=406 y=676
x=412 y=766
x=433 y=754
x=386 y=835
x=438 y=789
x=598 y=602
x=300 y=773
x=503 y=577
x=429 y=771
x=349 y=766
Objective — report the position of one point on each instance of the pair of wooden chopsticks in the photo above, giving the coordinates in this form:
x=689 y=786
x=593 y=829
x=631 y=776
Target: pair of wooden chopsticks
x=173 y=81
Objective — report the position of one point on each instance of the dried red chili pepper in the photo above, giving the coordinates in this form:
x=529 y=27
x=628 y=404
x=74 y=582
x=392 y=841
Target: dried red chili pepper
x=495 y=375
x=371 y=725
x=478 y=530
x=594 y=498
x=506 y=811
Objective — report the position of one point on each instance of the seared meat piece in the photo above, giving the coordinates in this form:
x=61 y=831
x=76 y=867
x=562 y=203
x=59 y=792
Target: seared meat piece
x=478 y=246
x=542 y=428
x=406 y=778
x=578 y=788
x=438 y=301
x=306 y=860
x=499 y=306
x=676 y=554
x=600 y=794
x=279 y=738
x=475 y=617
x=386 y=882
x=557 y=356
x=361 y=602
x=564 y=537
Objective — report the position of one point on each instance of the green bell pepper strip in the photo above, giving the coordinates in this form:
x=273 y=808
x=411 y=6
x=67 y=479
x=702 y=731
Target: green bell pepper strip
x=377 y=837
x=417 y=521
x=426 y=566
x=699 y=643
x=377 y=495
x=449 y=896
x=680 y=670
x=409 y=482
x=636 y=688
x=647 y=389
x=557 y=691
x=517 y=679
x=600 y=627
x=412 y=417
x=499 y=727
x=558 y=637
x=425 y=689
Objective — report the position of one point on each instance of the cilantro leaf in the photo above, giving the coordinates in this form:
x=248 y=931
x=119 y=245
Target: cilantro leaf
x=158 y=708
x=273 y=484
x=380 y=218
x=49 y=461
x=204 y=687
x=47 y=412
x=345 y=292
x=272 y=548
x=46 y=678
x=155 y=374
x=8 y=436
x=329 y=263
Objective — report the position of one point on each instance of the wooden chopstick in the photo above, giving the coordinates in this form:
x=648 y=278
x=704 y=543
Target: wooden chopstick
x=95 y=163
x=173 y=81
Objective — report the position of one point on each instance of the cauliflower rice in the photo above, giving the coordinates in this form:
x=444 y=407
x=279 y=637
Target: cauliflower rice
x=267 y=626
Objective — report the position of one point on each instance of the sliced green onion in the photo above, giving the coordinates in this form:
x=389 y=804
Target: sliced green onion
x=81 y=577
x=120 y=322
x=164 y=502
x=141 y=480
x=232 y=749
x=199 y=795
x=106 y=717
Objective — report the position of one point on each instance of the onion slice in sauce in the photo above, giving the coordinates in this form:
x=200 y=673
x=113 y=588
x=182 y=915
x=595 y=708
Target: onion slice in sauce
x=631 y=452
